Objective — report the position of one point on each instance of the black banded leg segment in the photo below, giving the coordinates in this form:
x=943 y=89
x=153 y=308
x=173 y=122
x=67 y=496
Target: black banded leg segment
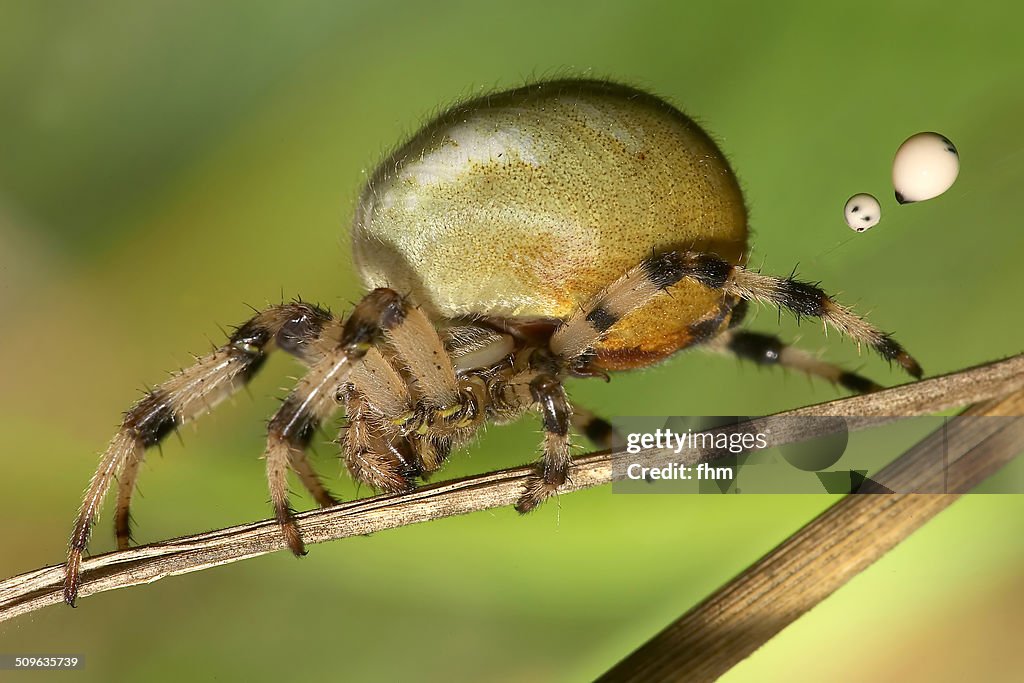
x=739 y=313
x=800 y=298
x=297 y=329
x=766 y=349
x=598 y=430
x=575 y=338
x=556 y=415
x=185 y=396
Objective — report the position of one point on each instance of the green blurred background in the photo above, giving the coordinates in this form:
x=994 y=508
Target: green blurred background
x=163 y=164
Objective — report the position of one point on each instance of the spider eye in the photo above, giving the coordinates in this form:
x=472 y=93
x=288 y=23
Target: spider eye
x=862 y=211
x=925 y=166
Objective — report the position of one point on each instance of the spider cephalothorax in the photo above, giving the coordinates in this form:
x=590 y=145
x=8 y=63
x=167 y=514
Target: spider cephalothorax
x=563 y=229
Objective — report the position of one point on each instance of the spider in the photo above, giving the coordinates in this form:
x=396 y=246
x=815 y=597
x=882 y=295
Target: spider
x=567 y=228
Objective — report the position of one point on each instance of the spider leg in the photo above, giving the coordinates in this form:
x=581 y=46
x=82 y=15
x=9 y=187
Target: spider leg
x=307 y=335
x=374 y=454
x=290 y=431
x=549 y=394
x=308 y=476
x=401 y=428
x=381 y=385
x=576 y=337
x=313 y=347
x=315 y=399
x=413 y=398
x=428 y=403
x=766 y=349
x=126 y=480
x=417 y=343
x=597 y=429
x=376 y=400
x=181 y=398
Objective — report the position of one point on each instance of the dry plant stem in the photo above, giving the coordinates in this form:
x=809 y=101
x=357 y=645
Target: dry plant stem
x=844 y=540
x=145 y=564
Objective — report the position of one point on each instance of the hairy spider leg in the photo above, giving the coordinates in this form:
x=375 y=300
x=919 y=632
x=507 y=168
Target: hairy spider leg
x=575 y=339
x=185 y=396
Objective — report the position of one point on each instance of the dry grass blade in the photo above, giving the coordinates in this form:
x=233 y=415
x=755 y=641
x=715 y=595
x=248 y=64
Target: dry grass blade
x=837 y=545
x=145 y=564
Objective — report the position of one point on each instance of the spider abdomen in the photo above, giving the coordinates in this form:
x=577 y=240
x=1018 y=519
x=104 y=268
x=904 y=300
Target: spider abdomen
x=527 y=203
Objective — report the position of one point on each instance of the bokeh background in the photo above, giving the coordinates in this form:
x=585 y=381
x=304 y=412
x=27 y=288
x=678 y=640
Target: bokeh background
x=164 y=164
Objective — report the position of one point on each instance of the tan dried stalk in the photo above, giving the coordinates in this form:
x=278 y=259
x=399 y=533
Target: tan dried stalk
x=145 y=564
